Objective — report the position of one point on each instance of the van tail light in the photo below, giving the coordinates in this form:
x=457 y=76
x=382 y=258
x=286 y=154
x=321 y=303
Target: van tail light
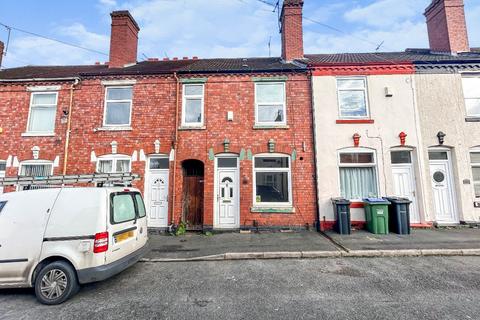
x=101 y=242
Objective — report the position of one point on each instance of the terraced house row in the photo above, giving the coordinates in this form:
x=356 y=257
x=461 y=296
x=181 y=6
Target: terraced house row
x=261 y=142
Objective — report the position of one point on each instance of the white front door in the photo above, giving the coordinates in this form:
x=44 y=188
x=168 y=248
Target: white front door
x=443 y=188
x=228 y=202
x=157 y=193
x=404 y=187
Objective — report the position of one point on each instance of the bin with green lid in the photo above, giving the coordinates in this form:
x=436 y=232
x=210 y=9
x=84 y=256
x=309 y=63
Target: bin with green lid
x=376 y=215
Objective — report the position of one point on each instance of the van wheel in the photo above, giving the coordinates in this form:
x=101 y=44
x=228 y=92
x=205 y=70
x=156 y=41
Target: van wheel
x=55 y=283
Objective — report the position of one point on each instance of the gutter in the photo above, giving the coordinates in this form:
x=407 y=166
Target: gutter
x=40 y=79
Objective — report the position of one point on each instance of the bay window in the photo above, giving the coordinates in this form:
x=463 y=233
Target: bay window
x=358 y=174
x=272 y=180
x=270 y=106
x=352 y=98
x=118 y=106
x=43 y=107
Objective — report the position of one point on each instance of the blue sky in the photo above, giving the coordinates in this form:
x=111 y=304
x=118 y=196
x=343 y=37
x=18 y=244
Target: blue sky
x=221 y=28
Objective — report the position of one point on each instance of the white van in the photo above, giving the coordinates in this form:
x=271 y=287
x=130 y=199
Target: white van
x=56 y=239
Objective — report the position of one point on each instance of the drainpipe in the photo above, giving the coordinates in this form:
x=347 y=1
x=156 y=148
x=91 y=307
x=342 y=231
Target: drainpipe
x=69 y=125
x=175 y=145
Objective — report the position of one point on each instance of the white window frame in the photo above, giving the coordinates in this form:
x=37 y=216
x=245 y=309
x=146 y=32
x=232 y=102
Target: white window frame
x=365 y=90
x=283 y=103
x=474 y=165
x=184 y=105
x=129 y=124
x=114 y=158
x=34 y=163
x=289 y=170
x=476 y=76
x=29 y=131
x=373 y=164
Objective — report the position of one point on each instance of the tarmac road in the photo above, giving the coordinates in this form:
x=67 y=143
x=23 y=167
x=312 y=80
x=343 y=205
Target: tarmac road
x=382 y=288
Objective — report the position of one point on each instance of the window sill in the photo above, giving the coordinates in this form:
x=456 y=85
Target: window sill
x=185 y=128
x=472 y=119
x=38 y=134
x=270 y=127
x=113 y=129
x=355 y=121
x=284 y=210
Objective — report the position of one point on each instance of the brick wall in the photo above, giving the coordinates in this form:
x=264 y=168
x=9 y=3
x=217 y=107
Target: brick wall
x=153 y=118
x=14 y=112
x=292 y=30
x=447 y=29
x=123 y=39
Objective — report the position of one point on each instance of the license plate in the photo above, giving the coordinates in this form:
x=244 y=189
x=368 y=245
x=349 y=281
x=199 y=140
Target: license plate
x=123 y=236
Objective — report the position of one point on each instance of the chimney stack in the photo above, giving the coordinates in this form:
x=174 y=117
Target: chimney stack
x=447 y=28
x=2 y=47
x=123 y=39
x=292 y=29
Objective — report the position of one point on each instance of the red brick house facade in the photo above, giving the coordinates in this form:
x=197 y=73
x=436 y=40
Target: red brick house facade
x=218 y=143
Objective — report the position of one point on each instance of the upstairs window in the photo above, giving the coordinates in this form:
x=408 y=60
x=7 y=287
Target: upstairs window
x=475 y=162
x=193 y=105
x=471 y=91
x=270 y=104
x=358 y=175
x=43 y=107
x=113 y=164
x=352 y=98
x=118 y=106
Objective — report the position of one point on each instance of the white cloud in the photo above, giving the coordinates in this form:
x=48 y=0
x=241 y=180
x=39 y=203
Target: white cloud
x=365 y=40
x=382 y=13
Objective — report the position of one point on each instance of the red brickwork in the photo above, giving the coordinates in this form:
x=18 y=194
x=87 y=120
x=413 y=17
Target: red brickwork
x=153 y=118
x=447 y=29
x=123 y=39
x=292 y=30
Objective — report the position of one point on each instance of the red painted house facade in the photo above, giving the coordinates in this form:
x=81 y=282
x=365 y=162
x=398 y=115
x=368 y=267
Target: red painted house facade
x=218 y=143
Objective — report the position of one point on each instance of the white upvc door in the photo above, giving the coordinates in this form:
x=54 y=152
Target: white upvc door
x=157 y=198
x=227 y=194
x=404 y=187
x=443 y=187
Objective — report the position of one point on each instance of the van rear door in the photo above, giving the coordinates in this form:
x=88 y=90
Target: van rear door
x=123 y=225
x=23 y=220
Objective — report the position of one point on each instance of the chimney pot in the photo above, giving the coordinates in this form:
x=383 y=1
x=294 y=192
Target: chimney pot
x=447 y=28
x=195 y=58
x=291 y=20
x=166 y=59
x=152 y=59
x=123 y=39
x=185 y=58
x=175 y=59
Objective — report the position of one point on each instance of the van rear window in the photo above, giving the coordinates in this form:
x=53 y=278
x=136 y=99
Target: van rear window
x=140 y=205
x=123 y=208
x=2 y=205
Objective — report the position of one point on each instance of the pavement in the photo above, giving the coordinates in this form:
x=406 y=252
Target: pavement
x=310 y=244
x=383 y=288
